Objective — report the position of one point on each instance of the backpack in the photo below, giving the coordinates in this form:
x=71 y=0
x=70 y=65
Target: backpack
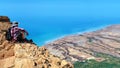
x=8 y=34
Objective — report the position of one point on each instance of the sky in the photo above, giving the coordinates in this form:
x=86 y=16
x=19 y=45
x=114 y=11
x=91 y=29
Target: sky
x=44 y=18
x=81 y=8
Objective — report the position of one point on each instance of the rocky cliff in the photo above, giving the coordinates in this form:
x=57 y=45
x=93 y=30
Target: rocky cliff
x=80 y=47
x=25 y=55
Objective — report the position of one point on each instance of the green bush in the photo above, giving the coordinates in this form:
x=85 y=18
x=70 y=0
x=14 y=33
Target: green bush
x=95 y=64
x=110 y=62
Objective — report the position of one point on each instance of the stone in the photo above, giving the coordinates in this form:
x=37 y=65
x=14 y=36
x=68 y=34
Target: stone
x=7 y=63
x=4 y=19
x=24 y=63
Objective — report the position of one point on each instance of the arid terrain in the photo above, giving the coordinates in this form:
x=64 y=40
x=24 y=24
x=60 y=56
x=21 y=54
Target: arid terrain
x=80 y=47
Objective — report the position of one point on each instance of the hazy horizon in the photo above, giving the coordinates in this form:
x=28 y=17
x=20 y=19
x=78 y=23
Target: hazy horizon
x=46 y=20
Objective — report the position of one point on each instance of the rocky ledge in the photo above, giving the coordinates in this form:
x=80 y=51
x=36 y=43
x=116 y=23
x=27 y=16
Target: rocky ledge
x=25 y=55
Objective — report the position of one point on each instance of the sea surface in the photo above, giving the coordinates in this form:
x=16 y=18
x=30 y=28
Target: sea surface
x=48 y=20
x=47 y=29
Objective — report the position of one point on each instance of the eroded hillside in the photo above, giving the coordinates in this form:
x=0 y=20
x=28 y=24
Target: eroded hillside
x=80 y=47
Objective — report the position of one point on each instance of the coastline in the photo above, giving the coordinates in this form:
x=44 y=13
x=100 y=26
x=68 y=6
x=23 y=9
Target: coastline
x=76 y=33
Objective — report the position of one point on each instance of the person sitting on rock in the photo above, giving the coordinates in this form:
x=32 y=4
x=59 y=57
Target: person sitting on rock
x=17 y=33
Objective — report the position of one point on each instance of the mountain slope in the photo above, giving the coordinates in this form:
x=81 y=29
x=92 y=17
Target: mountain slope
x=86 y=46
x=25 y=55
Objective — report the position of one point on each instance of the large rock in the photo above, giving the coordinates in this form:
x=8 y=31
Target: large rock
x=24 y=63
x=7 y=63
x=4 y=19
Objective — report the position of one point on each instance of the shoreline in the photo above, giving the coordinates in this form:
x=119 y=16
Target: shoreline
x=77 y=33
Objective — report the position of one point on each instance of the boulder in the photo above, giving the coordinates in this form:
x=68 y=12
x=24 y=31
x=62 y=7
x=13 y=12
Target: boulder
x=4 y=19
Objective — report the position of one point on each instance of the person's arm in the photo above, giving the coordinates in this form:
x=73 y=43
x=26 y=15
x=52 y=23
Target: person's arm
x=12 y=32
x=23 y=30
x=26 y=32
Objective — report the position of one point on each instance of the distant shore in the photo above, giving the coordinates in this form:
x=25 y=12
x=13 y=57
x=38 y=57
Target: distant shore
x=82 y=32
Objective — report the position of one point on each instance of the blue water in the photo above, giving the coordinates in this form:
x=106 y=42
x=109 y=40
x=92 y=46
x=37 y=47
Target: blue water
x=45 y=29
x=46 y=20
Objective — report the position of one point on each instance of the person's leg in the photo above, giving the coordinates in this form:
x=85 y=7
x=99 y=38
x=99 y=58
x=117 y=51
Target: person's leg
x=14 y=38
x=20 y=37
x=23 y=35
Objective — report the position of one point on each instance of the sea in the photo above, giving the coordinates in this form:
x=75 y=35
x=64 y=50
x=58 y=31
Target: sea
x=43 y=30
x=49 y=20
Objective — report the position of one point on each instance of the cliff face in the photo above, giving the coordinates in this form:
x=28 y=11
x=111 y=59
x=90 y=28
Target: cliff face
x=85 y=46
x=26 y=55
